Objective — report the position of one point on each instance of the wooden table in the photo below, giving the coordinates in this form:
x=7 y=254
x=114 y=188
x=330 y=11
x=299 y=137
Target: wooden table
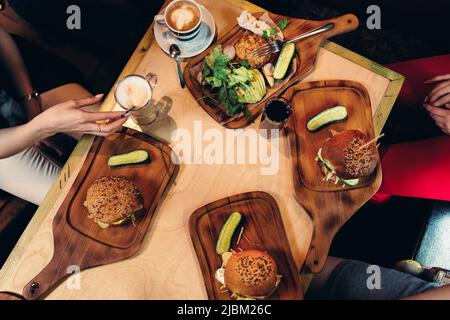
x=166 y=267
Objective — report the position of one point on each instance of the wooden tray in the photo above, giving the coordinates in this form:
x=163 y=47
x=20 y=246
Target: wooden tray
x=263 y=227
x=313 y=98
x=306 y=57
x=329 y=206
x=4 y=296
x=79 y=241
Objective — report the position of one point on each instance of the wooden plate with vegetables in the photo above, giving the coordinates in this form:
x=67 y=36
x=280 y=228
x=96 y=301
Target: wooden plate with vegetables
x=110 y=206
x=243 y=249
x=318 y=112
x=232 y=85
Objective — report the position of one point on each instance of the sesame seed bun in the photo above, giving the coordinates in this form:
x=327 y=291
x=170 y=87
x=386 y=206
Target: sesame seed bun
x=348 y=157
x=251 y=274
x=112 y=200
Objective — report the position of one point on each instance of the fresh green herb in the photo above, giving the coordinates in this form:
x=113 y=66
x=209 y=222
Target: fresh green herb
x=230 y=100
x=208 y=96
x=214 y=82
x=226 y=78
x=214 y=55
x=206 y=71
x=269 y=33
x=282 y=24
x=245 y=64
x=216 y=69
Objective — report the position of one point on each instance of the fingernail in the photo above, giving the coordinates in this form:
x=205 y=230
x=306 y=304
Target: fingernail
x=99 y=96
x=126 y=114
x=426 y=99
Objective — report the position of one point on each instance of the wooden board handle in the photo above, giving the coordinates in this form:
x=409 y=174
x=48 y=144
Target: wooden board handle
x=5 y=296
x=343 y=24
x=49 y=277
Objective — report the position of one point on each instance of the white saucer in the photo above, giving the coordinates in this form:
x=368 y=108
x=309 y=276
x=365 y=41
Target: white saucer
x=192 y=47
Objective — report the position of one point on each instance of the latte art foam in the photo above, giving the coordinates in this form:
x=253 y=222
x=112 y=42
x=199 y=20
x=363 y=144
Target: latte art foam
x=134 y=92
x=183 y=16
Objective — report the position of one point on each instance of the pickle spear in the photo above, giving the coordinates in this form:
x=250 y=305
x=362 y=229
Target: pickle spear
x=133 y=157
x=226 y=233
x=284 y=60
x=326 y=117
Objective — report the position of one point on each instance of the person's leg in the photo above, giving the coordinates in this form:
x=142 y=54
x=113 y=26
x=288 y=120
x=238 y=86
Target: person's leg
x=408 y=120
x=415 y=169
x=28 y=175
x=31 y=173
x=64 y=93
x=354 y=280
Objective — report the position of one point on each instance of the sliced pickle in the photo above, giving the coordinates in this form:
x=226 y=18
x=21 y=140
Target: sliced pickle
x=326 y=117
x=226 y=233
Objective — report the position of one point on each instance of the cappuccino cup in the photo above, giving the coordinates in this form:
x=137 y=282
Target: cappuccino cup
x=134 y=94
x=183 y=18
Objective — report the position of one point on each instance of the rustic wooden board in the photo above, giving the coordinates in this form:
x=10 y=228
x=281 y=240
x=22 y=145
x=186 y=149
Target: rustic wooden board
x=78 y=240
x=5 y=296
x=263 y=230
x=306 y=57
x=315 y=99
x=331 y=208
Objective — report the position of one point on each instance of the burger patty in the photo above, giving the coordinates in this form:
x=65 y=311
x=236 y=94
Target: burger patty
x=112 y=199
x=244 y=50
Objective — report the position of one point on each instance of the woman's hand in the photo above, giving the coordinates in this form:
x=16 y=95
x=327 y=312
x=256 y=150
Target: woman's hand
x=441 y=117
x=69 y=117
x=437 y=103
x=440 y=95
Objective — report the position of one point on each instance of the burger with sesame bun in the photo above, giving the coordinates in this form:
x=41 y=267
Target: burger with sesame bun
x=251 y=274
x=347 y=157
x=113 y=201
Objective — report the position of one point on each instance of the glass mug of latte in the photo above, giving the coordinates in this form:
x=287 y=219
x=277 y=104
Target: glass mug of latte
x=183 y=18
x=134 y=93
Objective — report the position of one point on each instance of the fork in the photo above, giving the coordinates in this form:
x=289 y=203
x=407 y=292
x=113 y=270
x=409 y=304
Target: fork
x=276 y=45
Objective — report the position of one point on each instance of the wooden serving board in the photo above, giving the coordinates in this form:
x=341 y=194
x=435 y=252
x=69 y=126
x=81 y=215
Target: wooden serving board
x=329 y=205
x=5 y=296
x=306 y=57
x=78 y=240
x=314 y=98
x=263 y=230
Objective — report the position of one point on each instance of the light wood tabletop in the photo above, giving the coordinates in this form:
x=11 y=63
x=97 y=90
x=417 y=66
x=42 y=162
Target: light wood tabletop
x=166 y=266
